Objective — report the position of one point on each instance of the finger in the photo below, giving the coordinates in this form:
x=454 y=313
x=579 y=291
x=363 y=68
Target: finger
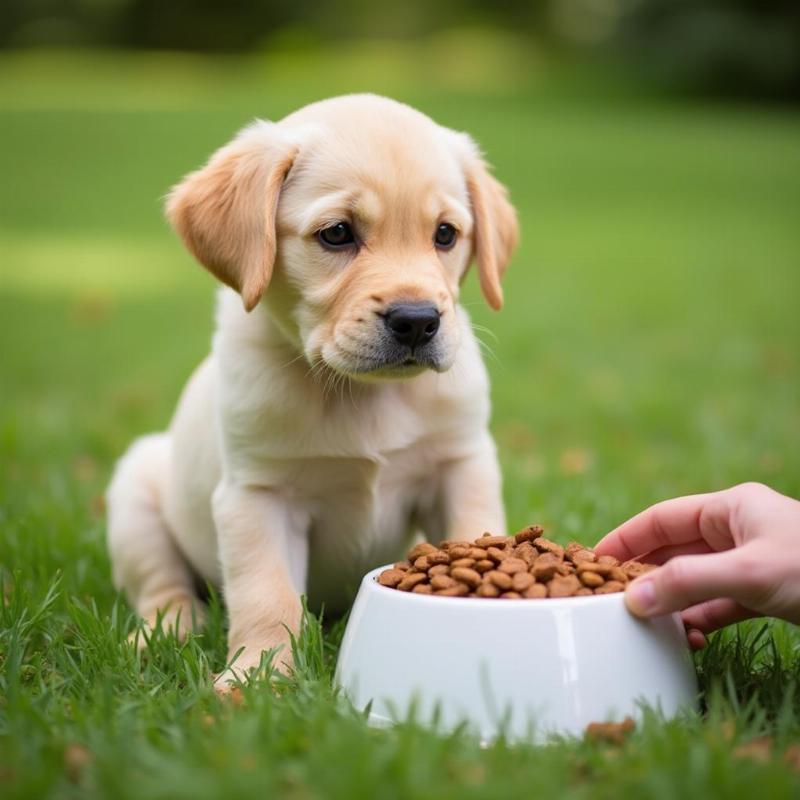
x=697 y=639
x=715 y=614
x=671 y=522
x=686 y=581
x=664 y=554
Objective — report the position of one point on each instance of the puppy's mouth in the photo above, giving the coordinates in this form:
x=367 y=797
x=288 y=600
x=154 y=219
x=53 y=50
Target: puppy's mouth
x=392 y=365
x=387 y=362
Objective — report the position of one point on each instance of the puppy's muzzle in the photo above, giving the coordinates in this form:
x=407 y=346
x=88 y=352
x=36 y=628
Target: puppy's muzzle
x=412 y=325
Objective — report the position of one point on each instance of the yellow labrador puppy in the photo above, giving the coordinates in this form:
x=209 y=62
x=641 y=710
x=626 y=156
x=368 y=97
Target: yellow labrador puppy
x=344 y=405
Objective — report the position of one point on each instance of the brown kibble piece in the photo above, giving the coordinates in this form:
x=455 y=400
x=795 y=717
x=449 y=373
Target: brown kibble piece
x=439 y=582
x=422 y=588
x=633 y=568
x=439 y=569
x=495 y=553
x=581 y=556
x=438 y=557
x=596 y=567
x=545 y=567
x=460 y=563
x=528 y=534
x=484 y=565
x=610 y=587
x=391 y=577
x=584 y=592
x=459 y=551
x=478 y=553
x=493 y=541
x=500 y=579
x=410 y=580
x=487 y=590
x=422 y=549
x=403 y=565
x=610 y=732
x=535 y=591
x=520 y=581
x=446 y=544
x=422 y=564
x=527 y=552
x=466 y=575
x=610 y=560
x=591 y=579
x=459 y=590
x=511 y=596
x=617 y=574
x=546 y=546
x=512 y=565
x=563 y=586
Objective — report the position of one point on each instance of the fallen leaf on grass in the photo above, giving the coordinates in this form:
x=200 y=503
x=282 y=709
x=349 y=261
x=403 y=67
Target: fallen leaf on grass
x=84 y=468
x=92 y=308
x=97 y=506
x=76 y=758
x=791 y=757
x=758 y=750
x=575 y=461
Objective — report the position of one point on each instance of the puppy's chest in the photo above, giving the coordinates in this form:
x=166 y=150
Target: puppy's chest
x=363 y=514
x=349 y=486
x=373 y=432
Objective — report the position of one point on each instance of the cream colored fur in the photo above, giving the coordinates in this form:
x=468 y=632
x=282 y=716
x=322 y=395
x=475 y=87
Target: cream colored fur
x=295 y=461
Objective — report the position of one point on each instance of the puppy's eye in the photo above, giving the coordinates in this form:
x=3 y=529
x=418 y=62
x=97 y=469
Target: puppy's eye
x=337 y=236
x=445 y=236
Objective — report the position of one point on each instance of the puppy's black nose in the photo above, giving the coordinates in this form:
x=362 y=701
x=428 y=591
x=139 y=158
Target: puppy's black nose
x=412 y=324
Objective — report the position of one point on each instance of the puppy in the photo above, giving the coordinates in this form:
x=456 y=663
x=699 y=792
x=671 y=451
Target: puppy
x=344 y=405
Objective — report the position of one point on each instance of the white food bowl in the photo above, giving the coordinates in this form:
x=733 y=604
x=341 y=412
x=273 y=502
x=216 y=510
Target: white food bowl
x=527 y=668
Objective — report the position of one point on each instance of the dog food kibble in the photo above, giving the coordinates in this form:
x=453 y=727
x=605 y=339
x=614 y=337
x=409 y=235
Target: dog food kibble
x=524 y=566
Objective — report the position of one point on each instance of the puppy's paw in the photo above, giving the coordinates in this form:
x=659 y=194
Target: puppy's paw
x=253 y=663
x=180 y=617
x=227 y=686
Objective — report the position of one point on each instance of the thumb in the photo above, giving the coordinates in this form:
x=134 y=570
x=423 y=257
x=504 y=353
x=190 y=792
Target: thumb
x=685 y=581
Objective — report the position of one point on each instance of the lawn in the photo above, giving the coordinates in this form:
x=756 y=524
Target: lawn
x=650 y=346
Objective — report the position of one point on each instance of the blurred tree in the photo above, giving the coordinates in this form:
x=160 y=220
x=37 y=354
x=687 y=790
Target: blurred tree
x=207 y=25
x=719 y=47
x=723 y=47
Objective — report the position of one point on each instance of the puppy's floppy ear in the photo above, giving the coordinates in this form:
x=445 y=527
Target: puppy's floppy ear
x=225 y=212
x=496 y=231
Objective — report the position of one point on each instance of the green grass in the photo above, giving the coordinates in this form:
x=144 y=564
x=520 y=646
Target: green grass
x=650 y=346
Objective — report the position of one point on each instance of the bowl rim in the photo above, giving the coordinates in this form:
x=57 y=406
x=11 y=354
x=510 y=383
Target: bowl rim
x=370 y=583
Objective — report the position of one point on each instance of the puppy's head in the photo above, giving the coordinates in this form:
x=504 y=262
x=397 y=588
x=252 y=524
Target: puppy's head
x=362 y=215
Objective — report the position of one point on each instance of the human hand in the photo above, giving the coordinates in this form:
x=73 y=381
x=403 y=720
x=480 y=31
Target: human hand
x=727 y=556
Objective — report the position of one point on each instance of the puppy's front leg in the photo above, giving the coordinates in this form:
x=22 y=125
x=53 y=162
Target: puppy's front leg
x=263 y=553
x=472 y=493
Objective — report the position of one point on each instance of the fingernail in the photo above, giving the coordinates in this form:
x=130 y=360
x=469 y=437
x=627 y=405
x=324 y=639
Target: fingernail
x=640 y=597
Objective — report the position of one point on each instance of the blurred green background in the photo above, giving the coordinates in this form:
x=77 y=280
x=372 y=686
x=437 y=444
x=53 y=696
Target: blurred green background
x=650 y=343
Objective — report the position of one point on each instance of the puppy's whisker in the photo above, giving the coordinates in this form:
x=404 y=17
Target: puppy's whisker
x=487 y=350
x=293 y=361
x=484 y=329
x=352 y=398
